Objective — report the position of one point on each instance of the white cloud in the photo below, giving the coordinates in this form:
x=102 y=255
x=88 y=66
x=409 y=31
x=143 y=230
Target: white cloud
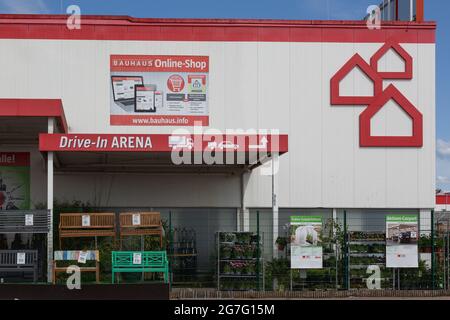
x=443 y=180
x=443 y=149
x=23 y=6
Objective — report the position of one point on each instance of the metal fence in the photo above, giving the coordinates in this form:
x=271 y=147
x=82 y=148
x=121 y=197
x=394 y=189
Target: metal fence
x=353 y=245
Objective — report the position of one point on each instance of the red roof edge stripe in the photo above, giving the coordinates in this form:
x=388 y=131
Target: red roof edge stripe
x=443 y=199
x=129 y=28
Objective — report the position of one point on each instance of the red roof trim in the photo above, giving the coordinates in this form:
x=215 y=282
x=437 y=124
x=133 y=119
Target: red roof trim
x=443 y=199
x=35 y=108
x=128 y=28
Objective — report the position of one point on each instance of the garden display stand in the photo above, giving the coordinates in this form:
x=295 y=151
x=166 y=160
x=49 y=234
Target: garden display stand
x=183 y=251
x=239 y=261
x=364 y=249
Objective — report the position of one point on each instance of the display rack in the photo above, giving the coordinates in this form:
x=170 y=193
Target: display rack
x=183 y=252
x=366 y=249
x=240 y=264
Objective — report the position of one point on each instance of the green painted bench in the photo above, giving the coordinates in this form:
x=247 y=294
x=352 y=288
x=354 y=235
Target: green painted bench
x=140 y=261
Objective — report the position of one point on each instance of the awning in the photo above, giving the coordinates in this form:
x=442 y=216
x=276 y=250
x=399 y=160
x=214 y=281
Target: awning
x=161 y=153
x=21 y=120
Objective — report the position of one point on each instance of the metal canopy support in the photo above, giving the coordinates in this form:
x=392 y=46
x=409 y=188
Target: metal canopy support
x=51 y=128
x=275 y=165
x=244 y=211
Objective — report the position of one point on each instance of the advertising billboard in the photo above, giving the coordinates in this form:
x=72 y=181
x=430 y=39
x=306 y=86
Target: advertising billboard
x=402 y=232
x=149 y=90
x=306 y=242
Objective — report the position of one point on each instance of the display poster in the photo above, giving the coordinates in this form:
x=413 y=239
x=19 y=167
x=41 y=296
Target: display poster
x=86 y=220
x=150 y=90
x=14 y=181
x=136 y=219
x=82 y=257
x=402 y=233
x=137 y=258
x=29 y=220
x=20 y=258
x=306 y=242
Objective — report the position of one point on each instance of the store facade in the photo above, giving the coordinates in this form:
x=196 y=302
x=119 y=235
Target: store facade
x=335 y=119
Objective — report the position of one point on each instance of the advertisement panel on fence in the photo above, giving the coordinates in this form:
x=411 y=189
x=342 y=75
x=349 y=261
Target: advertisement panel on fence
x=14 y=181
x=402 y=232
x=306 y=242
x=149 y=90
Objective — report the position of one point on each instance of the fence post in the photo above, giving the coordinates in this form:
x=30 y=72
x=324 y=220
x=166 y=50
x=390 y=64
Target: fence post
x=171 y=250
x=258 y=256
x=433 y=262
x=346 y=270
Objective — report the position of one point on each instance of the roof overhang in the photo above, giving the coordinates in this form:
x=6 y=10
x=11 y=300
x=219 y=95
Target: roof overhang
x=22 y=120
x=162 y=153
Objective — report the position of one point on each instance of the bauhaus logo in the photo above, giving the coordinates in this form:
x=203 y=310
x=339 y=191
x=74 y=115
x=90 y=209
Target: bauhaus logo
x=379 y=97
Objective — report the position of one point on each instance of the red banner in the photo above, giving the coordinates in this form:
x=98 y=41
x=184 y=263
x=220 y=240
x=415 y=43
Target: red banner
x=14 y=159
x=162 y=143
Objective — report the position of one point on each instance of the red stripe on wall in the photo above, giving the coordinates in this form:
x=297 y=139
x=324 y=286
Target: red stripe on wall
x=127 y=28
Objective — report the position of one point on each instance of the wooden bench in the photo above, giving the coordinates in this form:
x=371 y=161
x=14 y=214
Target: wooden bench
x=141 y=224
x=140 y=261
x=74 y=225
x=91 y=255
x=19 y=261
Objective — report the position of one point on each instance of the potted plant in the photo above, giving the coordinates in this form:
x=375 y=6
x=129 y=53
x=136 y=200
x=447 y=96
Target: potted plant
x=249 y=252
x=425 y=244
x=227 y=269
x=281 y=243
x=250 y=269
x=229 y=237
x=238 y=252
x=237 y=267
x=246 y=237
x=226 y=252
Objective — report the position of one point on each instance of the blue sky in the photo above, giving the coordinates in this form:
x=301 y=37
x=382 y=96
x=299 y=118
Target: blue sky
x=435 y=10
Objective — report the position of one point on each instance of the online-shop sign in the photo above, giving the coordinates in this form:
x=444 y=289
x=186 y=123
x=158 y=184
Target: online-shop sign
x=149 y=90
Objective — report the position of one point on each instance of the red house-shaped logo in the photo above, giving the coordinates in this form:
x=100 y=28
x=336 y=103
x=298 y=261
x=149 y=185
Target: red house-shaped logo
x=391 y=93
x=355 y=61
x=408 y=60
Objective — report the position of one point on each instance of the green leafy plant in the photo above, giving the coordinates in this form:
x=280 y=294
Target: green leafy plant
x=278 y=269
x=227 y=269
x=225 y=252
x=281 y=243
